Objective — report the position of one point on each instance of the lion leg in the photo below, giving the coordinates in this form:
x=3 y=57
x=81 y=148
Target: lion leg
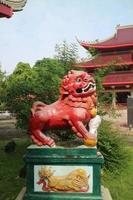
x=79 y=128
x=76 y=131
x=36 y=141
x=89 y=139
x=40 y=139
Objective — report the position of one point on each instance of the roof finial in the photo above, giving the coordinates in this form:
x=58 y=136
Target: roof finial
x=117 y=26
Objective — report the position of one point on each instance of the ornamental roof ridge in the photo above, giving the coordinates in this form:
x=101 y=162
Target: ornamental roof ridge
x=110 y=37
x=123 y=37
x=97 y=41
x=103 y=40
x=123 y=27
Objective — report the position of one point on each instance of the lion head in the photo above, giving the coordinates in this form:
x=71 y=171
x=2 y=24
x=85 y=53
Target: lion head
x=78 y=84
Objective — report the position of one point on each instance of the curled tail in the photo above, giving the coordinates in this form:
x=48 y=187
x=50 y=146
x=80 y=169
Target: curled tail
x=37 y=106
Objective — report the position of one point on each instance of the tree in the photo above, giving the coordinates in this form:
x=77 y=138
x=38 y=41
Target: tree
x=20 y=93
x=40 y=83
x=26 y=85
x=48 y=74
x=2 y=90
x=67 y=54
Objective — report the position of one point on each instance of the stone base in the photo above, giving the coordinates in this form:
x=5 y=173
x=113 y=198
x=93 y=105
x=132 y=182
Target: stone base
x=105 y=194
x=61 y=197
x=68 y=173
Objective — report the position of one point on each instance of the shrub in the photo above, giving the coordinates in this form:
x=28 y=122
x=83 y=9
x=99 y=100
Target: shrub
x=113 y=147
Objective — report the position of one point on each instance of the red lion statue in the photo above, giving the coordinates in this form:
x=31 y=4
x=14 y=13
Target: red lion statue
x=75 y=108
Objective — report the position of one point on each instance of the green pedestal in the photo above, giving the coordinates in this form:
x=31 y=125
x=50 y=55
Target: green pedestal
x=63 y=161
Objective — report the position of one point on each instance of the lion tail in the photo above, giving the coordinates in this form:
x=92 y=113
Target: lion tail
x=37 y=106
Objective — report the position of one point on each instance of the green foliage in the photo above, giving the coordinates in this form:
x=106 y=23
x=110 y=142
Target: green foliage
x=47 y=77
x=113 y=148
x=63 y=137
x=121 y=186
x=103 y=97
x=99 y=75
x=19 y=91
x=93 y=51
x=27 y=85
x=2 y=90
x=10 y=165
x=40 y=83
x=67 y=54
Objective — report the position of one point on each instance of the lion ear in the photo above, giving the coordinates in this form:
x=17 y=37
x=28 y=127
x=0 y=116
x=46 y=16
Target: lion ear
x=63 y=91
x=64 y=85
x=71 y=72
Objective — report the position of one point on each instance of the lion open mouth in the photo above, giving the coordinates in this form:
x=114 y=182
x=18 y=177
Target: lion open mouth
x=90 y=86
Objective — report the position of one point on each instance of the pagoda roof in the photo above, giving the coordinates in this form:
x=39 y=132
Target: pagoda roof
x=8 y=6
x=122 y=38
x=16 y=5
x=5 y=10
x=118 y=78
x=106 y=59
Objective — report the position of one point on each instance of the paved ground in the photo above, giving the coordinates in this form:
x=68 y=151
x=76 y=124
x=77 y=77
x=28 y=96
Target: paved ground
x=9 y=131
x=120 y=120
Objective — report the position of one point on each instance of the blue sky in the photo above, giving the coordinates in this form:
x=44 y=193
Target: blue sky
x=32 y=34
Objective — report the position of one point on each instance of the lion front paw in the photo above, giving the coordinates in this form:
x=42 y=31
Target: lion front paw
x=40 y=142
x=36 y=141
x=91 y=142
x=50 y=142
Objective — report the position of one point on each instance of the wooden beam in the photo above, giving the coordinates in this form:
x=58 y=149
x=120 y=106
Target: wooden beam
x=118 y=90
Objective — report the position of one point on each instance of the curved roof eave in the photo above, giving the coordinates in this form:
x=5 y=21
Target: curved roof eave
x=101 y=65
x=115 y=41
x=88 y=45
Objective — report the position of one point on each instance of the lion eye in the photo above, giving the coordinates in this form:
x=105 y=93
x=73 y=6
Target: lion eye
x=78 y=80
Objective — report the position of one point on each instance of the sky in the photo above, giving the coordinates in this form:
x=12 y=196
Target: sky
x=32 y=34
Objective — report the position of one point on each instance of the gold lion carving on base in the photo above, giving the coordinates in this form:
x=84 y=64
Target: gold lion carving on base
x=75 y=181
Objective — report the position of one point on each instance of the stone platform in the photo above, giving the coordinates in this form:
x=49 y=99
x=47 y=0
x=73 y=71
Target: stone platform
x=105 y=194
x=63 y=173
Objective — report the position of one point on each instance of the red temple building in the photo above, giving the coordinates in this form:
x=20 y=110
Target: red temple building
x=7 y=7
x=116 y=51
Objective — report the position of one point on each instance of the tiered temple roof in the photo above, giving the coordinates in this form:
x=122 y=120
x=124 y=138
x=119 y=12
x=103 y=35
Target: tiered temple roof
x=103 y=60
x=115 y=51
x=122 y=38
x=118 y=79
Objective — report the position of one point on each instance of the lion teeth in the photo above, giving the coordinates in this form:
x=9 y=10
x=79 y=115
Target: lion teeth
x=89 y=87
